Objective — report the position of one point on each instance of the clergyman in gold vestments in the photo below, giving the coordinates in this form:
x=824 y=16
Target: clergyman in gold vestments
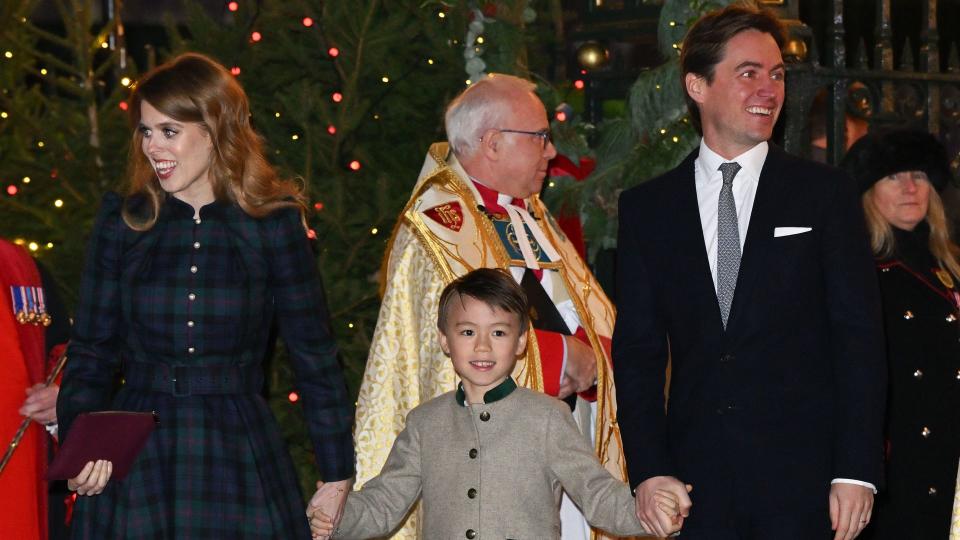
x=476 y=204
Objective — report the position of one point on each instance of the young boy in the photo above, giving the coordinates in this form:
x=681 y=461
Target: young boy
x=489 y=459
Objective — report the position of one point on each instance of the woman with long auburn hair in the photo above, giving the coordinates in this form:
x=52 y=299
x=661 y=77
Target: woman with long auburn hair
x=184 y=277
x=900 y=173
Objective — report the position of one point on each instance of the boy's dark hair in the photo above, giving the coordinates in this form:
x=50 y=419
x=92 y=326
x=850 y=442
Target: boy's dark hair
x=492 y=286
x=705 y=44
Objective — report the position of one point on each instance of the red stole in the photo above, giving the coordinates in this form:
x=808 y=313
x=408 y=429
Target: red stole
x=23 y=486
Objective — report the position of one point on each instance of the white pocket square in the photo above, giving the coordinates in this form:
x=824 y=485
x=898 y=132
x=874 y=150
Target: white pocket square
x=789 y=231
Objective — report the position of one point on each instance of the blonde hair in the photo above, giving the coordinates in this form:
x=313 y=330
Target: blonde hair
x=883 y=243
x=193 y=88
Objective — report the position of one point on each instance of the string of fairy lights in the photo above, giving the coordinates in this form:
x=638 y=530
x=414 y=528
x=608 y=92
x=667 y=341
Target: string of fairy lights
x=590 y=55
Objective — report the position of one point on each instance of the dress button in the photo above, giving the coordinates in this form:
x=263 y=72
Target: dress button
x=193 y=269
x=484 y=416
x=726 y=358
x=473 y=453
x=190 y=324
x=925 y=432
x=472 y=493
x=931 y=490
x=197 y=221
x=191 y=350
x=908 y=315
x=918 y=374
x=958 y=374
x=191 y=297
x=471 y=534
x=196 y=245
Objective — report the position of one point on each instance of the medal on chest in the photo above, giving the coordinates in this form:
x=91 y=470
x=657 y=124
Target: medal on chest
x=29 y=306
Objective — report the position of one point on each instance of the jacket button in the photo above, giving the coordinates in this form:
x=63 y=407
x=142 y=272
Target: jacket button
x=726 y=358
x=918 y=374
x=472 y=493
x=932 y=491
x=471 y=534
x=484 y=416
x=193 y=269
x=908 y=315
x=951 y=318
x=925 y=432
x=473 y=453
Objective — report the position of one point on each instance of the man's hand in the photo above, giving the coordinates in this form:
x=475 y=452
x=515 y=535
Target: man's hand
x=851 y=506
x=327 y=504
x=41 y=404
x=581 y=370
x=650 y=512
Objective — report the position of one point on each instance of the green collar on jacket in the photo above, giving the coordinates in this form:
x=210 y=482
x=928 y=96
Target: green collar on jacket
x=497 y=393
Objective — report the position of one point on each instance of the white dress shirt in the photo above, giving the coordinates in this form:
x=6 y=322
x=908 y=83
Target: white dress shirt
x=708 y=181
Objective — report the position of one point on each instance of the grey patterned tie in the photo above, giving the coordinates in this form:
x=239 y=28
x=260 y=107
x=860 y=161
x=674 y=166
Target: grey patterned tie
x=728 y=242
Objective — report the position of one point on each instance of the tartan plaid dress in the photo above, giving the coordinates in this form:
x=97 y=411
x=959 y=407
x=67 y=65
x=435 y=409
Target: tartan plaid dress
x=204 y=293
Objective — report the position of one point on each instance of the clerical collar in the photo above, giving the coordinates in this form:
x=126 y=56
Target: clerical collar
x=493 y=200
x=496 y=393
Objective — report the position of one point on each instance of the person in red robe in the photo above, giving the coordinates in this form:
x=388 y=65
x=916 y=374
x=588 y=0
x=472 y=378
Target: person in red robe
x=33 y=331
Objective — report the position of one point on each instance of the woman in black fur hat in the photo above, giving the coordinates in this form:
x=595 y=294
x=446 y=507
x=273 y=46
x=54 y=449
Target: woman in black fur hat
x=900 y=174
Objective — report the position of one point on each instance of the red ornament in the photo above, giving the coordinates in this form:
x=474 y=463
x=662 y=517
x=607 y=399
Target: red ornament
x=337 y=97
x=256 y=36
x=235 y=71
x=308 y=22
x=332 y=129
x=293 y=397
x=355 y=165
x=233 y=6
x=489 y=9
x=318 y=206
x=12 y=190
x=333 y=52
x=53 y=173
x=124 y=105
x=561 y=116
x=579 y=84
x=311 y=234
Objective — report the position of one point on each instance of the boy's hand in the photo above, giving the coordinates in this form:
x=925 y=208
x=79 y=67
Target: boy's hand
x=321 y=525
x=653 y=518
x=669 y=504
x=328 y=501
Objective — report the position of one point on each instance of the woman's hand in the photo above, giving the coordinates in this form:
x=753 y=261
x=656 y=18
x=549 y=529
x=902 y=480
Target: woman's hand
x=326 y=507
x=92 y=478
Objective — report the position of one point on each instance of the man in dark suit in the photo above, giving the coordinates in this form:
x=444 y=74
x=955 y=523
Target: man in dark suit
x=749 y=269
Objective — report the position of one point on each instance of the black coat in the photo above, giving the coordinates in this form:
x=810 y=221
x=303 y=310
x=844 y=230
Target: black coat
x=790 y=395
x=923 y=414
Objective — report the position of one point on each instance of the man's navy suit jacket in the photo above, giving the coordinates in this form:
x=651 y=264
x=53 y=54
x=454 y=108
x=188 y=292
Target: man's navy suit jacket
x=791 y=394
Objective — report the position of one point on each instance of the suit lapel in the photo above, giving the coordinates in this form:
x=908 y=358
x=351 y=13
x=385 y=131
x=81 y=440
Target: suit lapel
x=756 y=249
x=689 y=233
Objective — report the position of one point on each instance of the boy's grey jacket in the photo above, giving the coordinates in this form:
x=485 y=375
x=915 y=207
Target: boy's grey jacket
x=495 y=469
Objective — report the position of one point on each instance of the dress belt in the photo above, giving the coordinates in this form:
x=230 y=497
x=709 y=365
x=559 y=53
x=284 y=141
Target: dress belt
x=182 y=381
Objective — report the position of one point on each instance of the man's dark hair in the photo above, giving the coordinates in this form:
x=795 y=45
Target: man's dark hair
x=705 y=44
x=492 y=286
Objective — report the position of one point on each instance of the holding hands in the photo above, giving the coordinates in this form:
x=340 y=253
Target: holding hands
x=662 y=504
x=326 y=507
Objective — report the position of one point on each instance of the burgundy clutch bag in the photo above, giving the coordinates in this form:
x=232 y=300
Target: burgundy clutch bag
x=116 y=436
